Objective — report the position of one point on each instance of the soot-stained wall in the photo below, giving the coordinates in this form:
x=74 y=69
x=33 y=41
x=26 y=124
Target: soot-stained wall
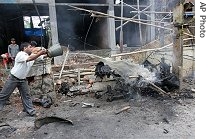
x=11 y=26
x=80 y=30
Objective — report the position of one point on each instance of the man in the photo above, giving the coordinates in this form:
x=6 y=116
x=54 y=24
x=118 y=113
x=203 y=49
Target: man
x=13 y=49
x=17 y=78
x=6 y=60
x=33 y=43
x=36 y=49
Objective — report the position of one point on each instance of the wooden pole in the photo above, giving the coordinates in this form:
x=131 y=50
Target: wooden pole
x=153 y=86
x=121 y=28
x=64 y=62
x=181 y=60
x=162 y=36
x=178 y=21
x=140 y=33
x=78 y=76
x=141 y=51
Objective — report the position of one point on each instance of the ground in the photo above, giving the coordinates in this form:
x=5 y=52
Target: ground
x=147 y=118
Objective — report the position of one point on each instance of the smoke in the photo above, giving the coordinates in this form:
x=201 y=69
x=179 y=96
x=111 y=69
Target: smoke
x=127 y=70
x=66 y=24
x=80 y=30
x=134 y=78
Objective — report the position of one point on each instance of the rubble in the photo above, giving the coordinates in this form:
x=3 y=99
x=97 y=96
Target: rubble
x=130 y=80
x=93 y=90
x=43 y=100
x=133 y=82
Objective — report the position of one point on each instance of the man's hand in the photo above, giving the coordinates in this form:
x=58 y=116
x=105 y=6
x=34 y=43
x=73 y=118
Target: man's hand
x=37 y=49
x=43 y=51
x=35 y=56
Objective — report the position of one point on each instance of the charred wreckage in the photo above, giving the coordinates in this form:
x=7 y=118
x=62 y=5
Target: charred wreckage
x=166 y=81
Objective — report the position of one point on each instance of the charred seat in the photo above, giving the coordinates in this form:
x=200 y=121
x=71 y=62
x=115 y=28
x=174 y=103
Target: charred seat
x=102 y=70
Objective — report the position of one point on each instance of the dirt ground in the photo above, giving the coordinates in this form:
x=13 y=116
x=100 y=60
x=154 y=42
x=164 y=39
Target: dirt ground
x=147 y=118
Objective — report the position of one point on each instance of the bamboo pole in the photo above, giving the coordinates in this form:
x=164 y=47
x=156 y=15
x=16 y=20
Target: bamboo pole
x=154 y=12
x=111 y=16
x=188 y=39
x=189 y=45
x=64 y=62
x=128 y=5
x=181 y=64
x=140 y=33
x=155 y=87
x=166 y=16
x=117 y=28
x=121 y=28
x=188 y=34
x=78 y=76
x=146 y=50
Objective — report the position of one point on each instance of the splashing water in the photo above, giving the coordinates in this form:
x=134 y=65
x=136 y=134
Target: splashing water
x=126 y=68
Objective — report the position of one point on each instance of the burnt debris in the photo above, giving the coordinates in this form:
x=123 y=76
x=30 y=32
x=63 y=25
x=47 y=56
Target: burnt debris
x=169 y=81
x=151 y=67
x=64 y=88
x=165 y=82
x=43 y=100
x=103 y=70
x=121 y=90
x=145 y=79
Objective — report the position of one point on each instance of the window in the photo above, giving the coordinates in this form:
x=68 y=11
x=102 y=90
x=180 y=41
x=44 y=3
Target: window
x=34 y=21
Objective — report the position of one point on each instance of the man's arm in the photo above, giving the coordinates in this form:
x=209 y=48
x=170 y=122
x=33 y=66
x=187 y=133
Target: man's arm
x=35 y=56
x=9 y=52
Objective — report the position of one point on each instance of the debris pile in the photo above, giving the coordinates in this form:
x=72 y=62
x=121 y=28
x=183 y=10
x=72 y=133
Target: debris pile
x=129 y=80
x=43 y=100
x=103 y=70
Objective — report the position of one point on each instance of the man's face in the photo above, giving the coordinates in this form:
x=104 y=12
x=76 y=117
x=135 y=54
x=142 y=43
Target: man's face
x=29 y=49
x=13 y=41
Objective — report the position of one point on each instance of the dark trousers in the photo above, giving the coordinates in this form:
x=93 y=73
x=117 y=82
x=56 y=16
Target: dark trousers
x=23 y=88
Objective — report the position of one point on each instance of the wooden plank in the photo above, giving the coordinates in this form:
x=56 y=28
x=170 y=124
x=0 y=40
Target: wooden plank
x=123 y=109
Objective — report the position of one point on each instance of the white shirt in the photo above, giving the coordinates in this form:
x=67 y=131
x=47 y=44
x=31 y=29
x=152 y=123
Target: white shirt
x=21 y=67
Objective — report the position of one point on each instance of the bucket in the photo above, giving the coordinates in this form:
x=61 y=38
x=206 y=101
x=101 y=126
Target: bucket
x=55 y=50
